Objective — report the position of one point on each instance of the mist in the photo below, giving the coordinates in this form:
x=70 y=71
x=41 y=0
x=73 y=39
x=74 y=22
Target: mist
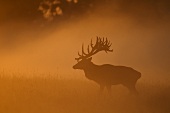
x=138 y=41
x=38 y=50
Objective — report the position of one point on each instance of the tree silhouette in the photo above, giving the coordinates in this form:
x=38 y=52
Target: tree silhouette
x=52 y=9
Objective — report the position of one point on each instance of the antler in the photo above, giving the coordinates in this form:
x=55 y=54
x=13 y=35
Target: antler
x=101 y=44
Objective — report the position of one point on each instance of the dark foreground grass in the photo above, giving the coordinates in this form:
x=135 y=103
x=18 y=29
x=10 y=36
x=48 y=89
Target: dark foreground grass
x=54 y=95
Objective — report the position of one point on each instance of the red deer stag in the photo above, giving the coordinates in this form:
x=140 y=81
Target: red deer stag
x=106 y=75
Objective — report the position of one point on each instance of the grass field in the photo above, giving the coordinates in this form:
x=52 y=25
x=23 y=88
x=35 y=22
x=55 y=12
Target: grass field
x=58 y=95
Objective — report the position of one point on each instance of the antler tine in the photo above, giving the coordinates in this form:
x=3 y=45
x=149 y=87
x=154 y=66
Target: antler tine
x=107 y=44
x=101 y=44
x=97 y=41
x=79 y=54
x=100 y=41
x=110 y=50
x=91 y=44
x=110 y=44
x=88 y=49
x=103 y=39
x=106 y=41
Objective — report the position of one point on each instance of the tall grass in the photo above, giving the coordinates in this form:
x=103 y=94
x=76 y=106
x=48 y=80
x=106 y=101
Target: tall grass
x=55 y=95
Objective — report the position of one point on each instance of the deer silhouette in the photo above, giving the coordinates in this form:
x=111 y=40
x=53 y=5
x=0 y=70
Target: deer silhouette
x=106 y=75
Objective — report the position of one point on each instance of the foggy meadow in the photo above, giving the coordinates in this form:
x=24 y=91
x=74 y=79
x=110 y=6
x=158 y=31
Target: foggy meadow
x=38 y=50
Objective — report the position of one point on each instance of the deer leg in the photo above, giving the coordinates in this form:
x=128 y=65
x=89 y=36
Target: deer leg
x=132 y=90
x=131 y=87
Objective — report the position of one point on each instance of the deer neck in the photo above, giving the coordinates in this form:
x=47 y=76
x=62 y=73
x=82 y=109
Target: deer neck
x=89 y=70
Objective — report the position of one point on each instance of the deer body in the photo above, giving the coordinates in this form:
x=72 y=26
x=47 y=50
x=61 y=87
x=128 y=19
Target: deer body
x=106 y=75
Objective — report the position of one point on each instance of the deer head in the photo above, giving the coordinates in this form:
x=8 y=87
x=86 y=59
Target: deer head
x=84 y=58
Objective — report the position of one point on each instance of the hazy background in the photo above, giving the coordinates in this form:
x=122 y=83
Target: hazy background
x=40 y=39
x=31 y=44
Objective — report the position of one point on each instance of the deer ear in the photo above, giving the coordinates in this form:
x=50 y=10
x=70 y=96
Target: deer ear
x=90 y=59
